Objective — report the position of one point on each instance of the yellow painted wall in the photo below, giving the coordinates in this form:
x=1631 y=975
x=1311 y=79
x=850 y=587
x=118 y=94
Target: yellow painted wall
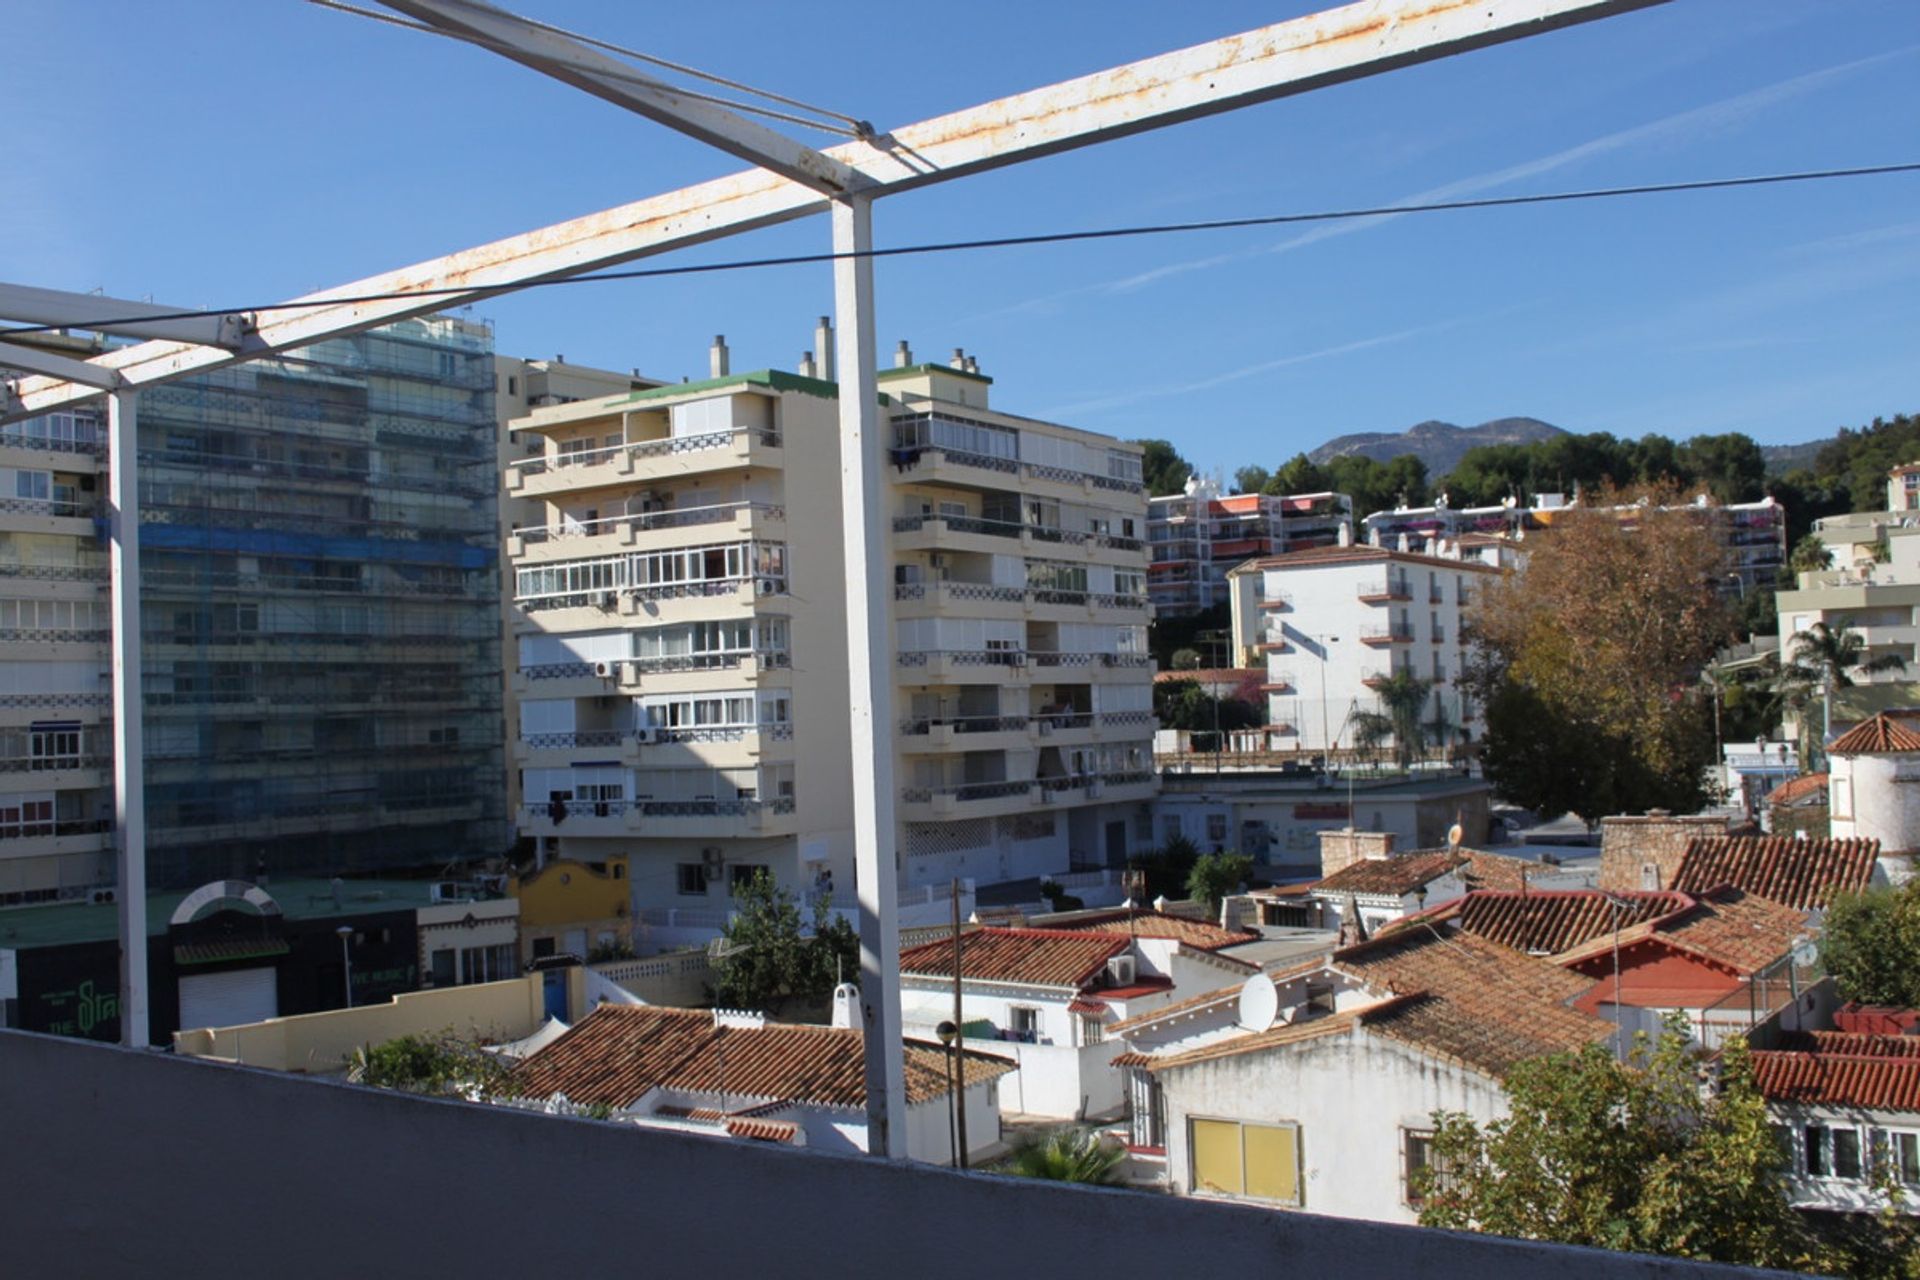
x=321 y=1042
x=565 y=892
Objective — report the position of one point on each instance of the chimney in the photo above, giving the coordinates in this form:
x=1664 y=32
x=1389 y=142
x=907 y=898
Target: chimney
x=973 y=365
x=1345 y=846
x=1346 y=535
x=823 y=343
x=717 y=363
x=959 y=360
x=846 y=1005
x=902 y=355
x=806 y=364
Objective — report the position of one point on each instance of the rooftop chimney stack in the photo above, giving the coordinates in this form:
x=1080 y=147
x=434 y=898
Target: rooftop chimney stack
x=902 y=355
x=717 y=362
x=973 y=365
x=959 y=360
x=823 y=343
x=806 y=364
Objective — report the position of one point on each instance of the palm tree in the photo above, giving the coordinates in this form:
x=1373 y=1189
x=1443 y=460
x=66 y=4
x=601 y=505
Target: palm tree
x=1068 y=1155
x=1403 y=697
x=1819 y=660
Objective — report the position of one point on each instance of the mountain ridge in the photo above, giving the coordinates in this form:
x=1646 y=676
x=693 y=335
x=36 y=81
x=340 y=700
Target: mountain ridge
x=1441 y=445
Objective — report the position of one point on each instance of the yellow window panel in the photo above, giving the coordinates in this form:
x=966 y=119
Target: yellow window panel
x=1273 y=1163
x=1216 y=1156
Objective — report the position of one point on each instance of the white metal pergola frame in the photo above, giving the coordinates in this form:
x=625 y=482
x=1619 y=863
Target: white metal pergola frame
x=789 y=181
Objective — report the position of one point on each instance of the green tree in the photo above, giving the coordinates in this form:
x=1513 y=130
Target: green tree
x=1299 y=474
x=1162 y=468
x=1214 y=876
x=1870 y=943
x=1187 y=704
x=1810 y=555
x=1251 y=479
x=1601 y=639
x=1403 y=699
x=1728 y=466
x=768 y=960
x=1818 y=661
x=1633 y=1156
x=1068 y=1155
x=1167 y=868
x=443 y=1065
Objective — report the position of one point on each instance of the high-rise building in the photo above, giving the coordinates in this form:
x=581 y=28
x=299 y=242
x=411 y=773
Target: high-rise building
x=319 y=617
x=1201 y=535
x=682 y=668
x=320 y=612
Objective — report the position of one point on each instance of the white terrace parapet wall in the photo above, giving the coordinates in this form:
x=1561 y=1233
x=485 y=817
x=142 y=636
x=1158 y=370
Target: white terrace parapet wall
x=95 y=1176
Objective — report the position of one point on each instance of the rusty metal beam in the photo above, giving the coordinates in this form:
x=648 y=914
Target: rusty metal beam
x=588 y=69
x=1291 y=57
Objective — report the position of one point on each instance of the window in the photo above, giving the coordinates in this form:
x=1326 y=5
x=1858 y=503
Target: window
x=693 y=879
x=1258 y=1161
x=487 y=964
x=1025 y=1024
x=1420 y=1170
x=741 y=873
x=1216 y=829
x=1146 y=1109
x=442 y=966
x=1092 y=1030
x=1833 y=1152
x=1898 y=1152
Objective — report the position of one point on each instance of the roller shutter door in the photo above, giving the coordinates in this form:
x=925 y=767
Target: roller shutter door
x=227 y=999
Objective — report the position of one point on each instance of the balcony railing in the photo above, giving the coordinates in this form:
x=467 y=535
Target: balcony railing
x=1127 y=777
x=1384 y=589
x=964 y=657
x=54 y=827
x=49 y=507
x=1386 y=635
x=647 y=521
x=54 y=763
x=963 y=724
x=908 y=456
x=661 y=448
x=959 y=591
x=966 y=791
x=707 y=808
x=779 y=732
x=1118 y=719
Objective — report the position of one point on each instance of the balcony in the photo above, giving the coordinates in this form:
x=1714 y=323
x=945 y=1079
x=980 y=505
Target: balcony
x=1379 y=637
x=676 y=747
x=759 y=520
x=963 y=733
x=625 y=464
x=966 y=800
x=931 y=464
x=1375 y=678
x=1278 y=682
x=960 y=666
x=1384 y=591
x=700 y=818
x=1277 y=602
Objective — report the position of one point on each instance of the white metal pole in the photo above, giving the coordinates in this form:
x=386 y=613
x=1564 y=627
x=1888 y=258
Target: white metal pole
x=129 y=771
x=869 y=677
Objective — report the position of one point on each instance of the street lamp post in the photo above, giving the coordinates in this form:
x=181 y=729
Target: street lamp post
x=948 y=1033
x=345 y=933
x=1326 y=738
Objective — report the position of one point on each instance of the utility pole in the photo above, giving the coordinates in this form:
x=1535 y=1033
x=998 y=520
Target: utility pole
x=959 y=1037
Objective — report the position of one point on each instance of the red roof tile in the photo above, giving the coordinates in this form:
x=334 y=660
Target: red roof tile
x=1839 y=1080
x=617 y=1053
x=1851 y=1043
x=1796 y=873
x=762 y=1130
x=1037 y=957
x=1202 y=935
x=1396 y=876
x=1794 y=790
x=1882 y=735
x=1556 y=921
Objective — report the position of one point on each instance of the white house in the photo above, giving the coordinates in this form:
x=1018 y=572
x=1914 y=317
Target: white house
x=1841 y=1101
x=1045 y=998
x=1315 y=1087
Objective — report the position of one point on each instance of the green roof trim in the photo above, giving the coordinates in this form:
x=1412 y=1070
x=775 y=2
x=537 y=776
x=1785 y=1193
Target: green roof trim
x=947 y=369
x=772 y=379
x=58 y=924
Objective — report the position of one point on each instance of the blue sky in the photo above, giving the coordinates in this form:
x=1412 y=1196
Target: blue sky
x=225 y=152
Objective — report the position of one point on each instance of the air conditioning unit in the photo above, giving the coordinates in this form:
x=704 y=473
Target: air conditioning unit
x=103 y=897
x=1121 y=971
x=605 y=670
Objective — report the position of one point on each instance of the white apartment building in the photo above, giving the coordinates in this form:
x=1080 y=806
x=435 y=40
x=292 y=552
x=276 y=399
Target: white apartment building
x=681 y=635
x=1333 y=625
x=1753 y=533
x=56 y=751
x=521 y=385
x=1198 y=536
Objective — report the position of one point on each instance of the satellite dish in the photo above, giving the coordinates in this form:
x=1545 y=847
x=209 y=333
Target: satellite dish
x=1259 y=1003
x=1805 y=953
x=1455 y=834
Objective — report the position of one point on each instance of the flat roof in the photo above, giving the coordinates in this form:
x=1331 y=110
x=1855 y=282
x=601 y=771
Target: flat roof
x=63 y=923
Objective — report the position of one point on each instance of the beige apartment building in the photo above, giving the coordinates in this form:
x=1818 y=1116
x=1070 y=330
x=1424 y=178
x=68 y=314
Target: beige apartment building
x=680 y=636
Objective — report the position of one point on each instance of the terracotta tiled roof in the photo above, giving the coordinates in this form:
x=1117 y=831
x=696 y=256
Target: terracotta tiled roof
x=762 y=1130
x=1260 y=1041
x=1481 y=976
x=1496 y=870
x=1738 y=929
x=1082 y=1005
x=1556 y=921
x=1797 y=789
x=1202 y=935
x=1839 y=1080
x=617 y=1053
x=1882 y=735
x=1396 y=876
x=1796 y=873
x=1848 y=1042
x=1037 y=957
x=1452 y=1028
